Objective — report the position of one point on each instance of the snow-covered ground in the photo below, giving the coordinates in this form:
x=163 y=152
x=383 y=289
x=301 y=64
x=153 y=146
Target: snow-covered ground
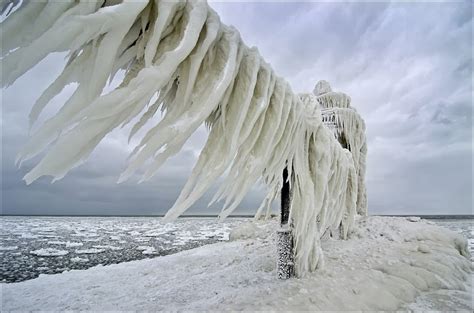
x=387 y=264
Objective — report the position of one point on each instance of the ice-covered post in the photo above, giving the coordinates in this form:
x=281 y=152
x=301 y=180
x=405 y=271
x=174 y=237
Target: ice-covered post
x=285 y=262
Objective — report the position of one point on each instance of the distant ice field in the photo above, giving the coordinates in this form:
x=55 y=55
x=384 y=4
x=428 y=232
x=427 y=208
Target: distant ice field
x=30 y=246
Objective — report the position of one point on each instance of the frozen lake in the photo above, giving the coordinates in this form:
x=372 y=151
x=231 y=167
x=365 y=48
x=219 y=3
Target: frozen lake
x=31 y=246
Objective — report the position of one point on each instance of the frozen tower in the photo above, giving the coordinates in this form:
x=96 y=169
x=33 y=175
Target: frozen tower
x=349 y=129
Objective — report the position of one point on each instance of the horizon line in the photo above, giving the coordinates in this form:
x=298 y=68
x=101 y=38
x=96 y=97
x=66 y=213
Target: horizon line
x=434 y=216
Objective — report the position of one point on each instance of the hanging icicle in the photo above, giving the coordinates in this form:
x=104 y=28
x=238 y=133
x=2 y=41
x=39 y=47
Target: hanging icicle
x=202 y=73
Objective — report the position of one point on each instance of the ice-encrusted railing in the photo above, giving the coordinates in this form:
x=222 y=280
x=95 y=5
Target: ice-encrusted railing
x=201 y=72
x=349 y=129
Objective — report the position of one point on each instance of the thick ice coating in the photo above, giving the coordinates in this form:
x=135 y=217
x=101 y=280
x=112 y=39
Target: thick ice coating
x=202 y=73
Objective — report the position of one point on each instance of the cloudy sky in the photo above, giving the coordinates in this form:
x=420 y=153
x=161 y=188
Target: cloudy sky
x=407 y=67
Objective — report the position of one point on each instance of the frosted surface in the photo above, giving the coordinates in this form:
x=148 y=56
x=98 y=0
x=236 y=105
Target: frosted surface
x=202 y=73
x=386 y=265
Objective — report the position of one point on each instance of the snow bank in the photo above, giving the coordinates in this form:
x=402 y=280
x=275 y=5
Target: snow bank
x=250 y=230
x=386 y=264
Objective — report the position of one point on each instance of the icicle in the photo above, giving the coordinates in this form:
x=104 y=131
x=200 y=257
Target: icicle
x=203 y=74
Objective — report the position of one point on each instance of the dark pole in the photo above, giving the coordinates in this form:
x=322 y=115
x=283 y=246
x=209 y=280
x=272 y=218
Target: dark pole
x=285 y=263
x=285 y=199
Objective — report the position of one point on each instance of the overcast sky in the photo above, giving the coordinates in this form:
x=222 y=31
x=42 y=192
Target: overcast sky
x=407 y=67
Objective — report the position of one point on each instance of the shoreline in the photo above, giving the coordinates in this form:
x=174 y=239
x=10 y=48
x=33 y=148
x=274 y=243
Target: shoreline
x=386 y=264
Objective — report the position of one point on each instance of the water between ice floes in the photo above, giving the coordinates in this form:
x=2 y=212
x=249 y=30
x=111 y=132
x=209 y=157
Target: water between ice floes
x=31 y=246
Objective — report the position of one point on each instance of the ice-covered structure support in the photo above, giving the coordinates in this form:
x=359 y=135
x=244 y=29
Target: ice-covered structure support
x=285 y=260
x=285 y=253
x=200 y=73
x=285 y=199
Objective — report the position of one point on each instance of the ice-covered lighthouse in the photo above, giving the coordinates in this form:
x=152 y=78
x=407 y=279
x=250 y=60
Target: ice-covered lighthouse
x=343 y=122
x=349 y=129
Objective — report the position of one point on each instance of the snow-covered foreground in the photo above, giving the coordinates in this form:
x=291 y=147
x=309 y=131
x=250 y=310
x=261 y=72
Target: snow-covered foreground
x=385 y=265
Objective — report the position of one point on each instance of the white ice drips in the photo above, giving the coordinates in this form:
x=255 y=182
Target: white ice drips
x=201 y=72
x=347 y=125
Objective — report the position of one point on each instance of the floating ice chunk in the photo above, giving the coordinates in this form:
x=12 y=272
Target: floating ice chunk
x=56 y=243
x=73 y=244
x=49 y=252
x=29 y=236
x=89 y=251
x=91 y=240
x=79 y=260
x=144 y=247
x=141 y=239
x=8 y=248
x=155 y=233
x=179 y=243
x=149 y=251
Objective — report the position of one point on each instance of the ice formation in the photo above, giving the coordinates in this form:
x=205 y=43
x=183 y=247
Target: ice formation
x=201 y=73
x=49 y=252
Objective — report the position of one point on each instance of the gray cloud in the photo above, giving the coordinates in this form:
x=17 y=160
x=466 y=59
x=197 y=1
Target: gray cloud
x=407 y=67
